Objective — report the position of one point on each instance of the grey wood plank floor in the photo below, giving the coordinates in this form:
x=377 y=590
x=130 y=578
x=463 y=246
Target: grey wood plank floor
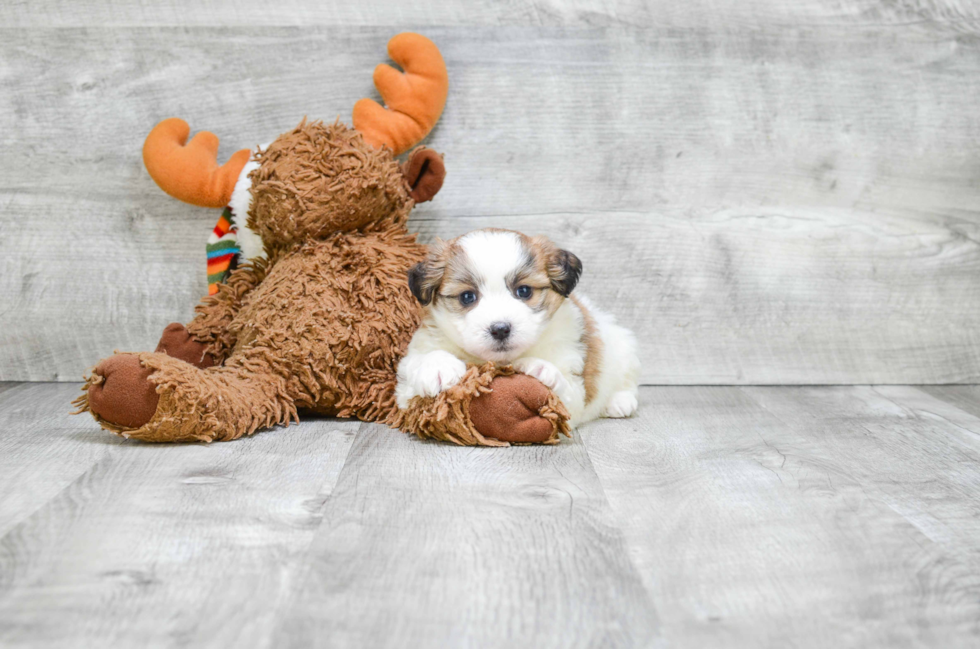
x=719 y=516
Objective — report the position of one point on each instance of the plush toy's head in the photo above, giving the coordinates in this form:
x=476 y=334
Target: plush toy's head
x=316 y=180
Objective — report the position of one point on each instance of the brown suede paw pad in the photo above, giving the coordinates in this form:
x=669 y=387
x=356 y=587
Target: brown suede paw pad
x=177 y=342
x=120 y=394
x=509 y=412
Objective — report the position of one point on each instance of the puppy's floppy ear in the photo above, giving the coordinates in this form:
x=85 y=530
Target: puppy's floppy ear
x=564 y=269
x=419 y=284
x=425 y=277
x=424 y=171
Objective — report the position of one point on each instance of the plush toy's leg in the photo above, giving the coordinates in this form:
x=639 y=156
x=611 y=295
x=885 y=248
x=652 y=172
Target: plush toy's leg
x=207 y=340
x=490 y=406
x=156 y=398
x=210 y=326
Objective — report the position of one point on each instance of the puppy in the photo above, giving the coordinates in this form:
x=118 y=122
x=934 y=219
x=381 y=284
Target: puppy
x=497 y=295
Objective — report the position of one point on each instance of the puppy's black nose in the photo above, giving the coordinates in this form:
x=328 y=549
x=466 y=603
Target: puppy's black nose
x=500 y=330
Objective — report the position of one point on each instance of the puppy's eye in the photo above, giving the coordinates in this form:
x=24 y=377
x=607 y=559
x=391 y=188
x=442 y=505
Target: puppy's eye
x=523 y=292
x=467 y=298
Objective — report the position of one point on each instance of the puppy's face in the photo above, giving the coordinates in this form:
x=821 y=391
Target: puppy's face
x=493 y=292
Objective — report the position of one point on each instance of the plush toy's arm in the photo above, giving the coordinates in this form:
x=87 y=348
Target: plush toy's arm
x=490 y=406
x=215 y=312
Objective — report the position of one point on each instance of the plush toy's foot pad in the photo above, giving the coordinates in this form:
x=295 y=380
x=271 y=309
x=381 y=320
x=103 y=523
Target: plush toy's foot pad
x=177 y=342
x=510 y=411
x=120 y=393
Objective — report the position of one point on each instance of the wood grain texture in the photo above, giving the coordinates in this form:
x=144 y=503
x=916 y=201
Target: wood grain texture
x=956 y=14
x=915 y=454
x=32 y=469
x=762 y=204
x=427 y=544
x=106 y=542
x=796 y=517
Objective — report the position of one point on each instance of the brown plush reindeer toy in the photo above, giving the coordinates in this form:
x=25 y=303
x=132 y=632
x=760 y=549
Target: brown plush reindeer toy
x=318 y=314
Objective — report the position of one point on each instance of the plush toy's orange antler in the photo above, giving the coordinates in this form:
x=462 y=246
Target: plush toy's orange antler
x=191 y=173
x=414 y=98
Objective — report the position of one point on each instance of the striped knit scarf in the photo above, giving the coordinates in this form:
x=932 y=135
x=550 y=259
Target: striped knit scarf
x=223 y=250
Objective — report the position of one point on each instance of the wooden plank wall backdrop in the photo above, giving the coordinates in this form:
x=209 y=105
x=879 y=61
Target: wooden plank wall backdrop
x=766 y=191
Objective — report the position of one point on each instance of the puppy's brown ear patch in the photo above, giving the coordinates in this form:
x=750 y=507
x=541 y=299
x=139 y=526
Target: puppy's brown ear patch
x=564 y=270
x=424 y=278
x=424 y=170
x=420 y=285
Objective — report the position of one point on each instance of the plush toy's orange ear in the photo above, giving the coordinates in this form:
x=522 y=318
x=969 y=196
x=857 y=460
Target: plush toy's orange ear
x=414 y=99
x=191 y=173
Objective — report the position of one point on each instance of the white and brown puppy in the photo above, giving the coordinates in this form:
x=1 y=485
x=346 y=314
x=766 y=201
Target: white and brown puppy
x=497 y=295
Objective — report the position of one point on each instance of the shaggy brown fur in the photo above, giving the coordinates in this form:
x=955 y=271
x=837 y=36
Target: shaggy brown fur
x=216 y=312
x=316 y=180
x=320 y=326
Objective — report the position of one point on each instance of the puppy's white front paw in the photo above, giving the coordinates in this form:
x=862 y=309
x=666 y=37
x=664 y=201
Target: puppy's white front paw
x=436 y=372
x=542 y=370
x=621 y=404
